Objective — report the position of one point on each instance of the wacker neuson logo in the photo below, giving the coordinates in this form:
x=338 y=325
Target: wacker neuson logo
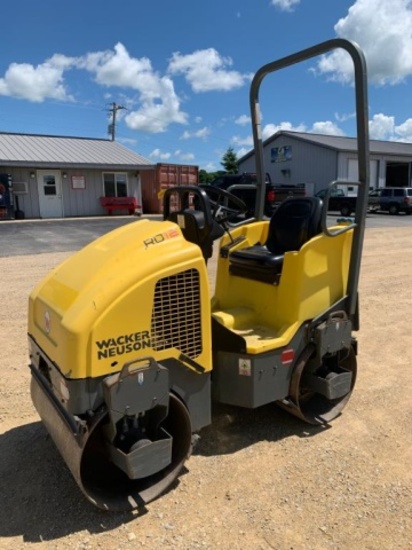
x=126 y=343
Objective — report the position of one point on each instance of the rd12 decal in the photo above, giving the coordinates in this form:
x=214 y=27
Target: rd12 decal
x=161 y=237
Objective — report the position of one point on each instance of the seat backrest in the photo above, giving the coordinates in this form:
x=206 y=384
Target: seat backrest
x=188 y=206
x=294 y=222
x=195 y=230
x=191 y=223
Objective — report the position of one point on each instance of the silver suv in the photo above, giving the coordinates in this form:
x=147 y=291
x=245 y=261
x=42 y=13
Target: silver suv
x=395 y=200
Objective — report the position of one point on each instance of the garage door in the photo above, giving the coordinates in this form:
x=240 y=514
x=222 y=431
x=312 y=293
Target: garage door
x=373 y=172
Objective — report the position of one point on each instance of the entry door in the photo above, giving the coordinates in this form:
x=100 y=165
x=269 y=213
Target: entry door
x=50 y=193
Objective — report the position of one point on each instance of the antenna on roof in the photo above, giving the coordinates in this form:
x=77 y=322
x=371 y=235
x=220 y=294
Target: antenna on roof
x=111 y=129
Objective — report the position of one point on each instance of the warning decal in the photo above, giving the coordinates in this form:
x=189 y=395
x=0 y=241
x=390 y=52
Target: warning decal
x=245 y=367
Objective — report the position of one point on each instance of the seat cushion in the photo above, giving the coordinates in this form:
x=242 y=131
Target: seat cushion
x=256 y=262
x=256 y=256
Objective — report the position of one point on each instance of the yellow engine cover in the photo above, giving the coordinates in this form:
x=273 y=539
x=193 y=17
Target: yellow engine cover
x=140 y=290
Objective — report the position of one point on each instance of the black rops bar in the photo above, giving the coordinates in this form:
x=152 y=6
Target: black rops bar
x=363 y=143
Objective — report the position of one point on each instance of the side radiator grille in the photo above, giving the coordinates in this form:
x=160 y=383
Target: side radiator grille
x=176 y=315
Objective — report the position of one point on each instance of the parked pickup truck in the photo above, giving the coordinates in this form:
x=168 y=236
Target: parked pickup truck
x=273 y=194
x=339 y=202
x=391 y=199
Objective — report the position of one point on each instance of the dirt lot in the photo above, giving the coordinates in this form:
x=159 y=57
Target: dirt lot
x=258 y=479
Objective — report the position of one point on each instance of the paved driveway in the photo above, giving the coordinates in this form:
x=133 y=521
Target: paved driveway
x=38 y=236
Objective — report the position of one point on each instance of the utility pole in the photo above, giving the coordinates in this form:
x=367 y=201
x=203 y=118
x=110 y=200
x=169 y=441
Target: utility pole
x=112 y=126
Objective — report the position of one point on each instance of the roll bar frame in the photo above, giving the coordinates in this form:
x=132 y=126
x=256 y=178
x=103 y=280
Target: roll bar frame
x=361 y=100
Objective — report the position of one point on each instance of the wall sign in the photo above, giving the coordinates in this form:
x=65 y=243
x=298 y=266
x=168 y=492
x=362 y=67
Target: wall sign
x=281 y=154
x=78 y=182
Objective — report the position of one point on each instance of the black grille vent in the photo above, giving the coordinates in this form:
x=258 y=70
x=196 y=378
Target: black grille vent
x=176 y=319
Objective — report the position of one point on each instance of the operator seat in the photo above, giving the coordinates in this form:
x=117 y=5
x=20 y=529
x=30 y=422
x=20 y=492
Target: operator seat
x=294 y=222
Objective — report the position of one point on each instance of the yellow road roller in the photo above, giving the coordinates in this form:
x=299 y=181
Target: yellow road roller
x=129 y=347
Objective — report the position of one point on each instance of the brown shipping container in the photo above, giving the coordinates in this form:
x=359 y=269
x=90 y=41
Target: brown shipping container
x=162 y=177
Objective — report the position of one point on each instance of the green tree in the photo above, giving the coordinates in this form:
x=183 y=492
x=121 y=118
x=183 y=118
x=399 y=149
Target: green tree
x=203 y=176
x=207 y=177
x=229 y=161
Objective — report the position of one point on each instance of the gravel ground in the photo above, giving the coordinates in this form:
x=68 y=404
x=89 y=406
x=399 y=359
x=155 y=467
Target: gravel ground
x=257 y=479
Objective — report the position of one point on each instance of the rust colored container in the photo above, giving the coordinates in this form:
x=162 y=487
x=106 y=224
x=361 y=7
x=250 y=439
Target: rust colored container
x=162 y=177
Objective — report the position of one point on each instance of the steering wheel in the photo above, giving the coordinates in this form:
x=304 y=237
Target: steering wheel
x=220 y=201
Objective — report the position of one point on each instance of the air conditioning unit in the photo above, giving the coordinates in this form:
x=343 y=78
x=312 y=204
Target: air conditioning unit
x=20 y=188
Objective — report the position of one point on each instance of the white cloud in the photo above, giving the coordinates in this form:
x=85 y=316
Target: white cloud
x=178 y=154
x=186 y=156
x=158 y=154
x=183 y=156
x=242 y=152
x=344 y=116
x=383 y=127
x=117 y=68
x=126 y=141
x=210 y=167
x=236 y=140
x=201 y=134
x=159 y=104
x=285 y=5
x=206 y=70
x=36 y=84
x=270 y=129
x=155 y=116
x=320 y=127
x=242 y=120
x=383 y=30
x=404 y=131
x=326 y=127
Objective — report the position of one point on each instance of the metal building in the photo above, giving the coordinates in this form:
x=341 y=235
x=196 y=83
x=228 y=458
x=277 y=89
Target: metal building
x=56 y=176
x=296 y=157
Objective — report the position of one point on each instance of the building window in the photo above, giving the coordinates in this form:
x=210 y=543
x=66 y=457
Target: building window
x=49 y=186
x=115 y=184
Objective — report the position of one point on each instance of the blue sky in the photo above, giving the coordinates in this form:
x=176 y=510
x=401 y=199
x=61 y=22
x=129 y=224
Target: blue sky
x=182 y=70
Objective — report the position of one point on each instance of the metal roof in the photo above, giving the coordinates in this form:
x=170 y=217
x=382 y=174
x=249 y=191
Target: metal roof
x=343 y=144
x=59 y=151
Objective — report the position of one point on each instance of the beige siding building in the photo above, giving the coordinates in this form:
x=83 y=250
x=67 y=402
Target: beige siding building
x=56 y=176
